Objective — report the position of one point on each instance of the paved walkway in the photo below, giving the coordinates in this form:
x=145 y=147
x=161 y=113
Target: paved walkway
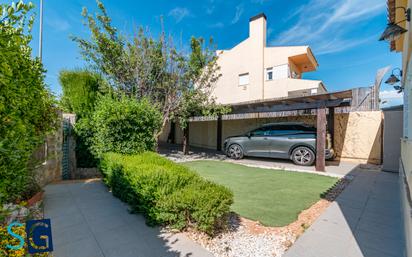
x=364 y=221
x=87 y=221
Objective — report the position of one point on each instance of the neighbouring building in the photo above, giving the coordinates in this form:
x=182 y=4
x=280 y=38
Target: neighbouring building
x=264 y=84
x=254 y=71
x=399 y=33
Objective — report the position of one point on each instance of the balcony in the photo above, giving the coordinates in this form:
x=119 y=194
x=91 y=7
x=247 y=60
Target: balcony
x=296 y=87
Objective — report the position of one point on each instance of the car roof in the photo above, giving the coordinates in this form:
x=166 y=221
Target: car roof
x=286 y=123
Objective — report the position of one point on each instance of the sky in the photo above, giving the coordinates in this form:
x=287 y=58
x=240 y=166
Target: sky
x=343 y=34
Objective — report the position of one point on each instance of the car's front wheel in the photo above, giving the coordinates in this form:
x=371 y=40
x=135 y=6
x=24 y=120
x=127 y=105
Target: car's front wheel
x=235 y=151
x=303 y=156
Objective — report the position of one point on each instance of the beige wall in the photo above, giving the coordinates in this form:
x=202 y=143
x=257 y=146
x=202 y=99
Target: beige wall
x=407 y=160
x=281 y=87
x=406 y=188
x=406 y=145
x=253 y=57
x=358 y=135
x=203 y=134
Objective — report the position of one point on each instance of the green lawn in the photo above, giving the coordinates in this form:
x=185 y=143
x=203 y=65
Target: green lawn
x=273 y=197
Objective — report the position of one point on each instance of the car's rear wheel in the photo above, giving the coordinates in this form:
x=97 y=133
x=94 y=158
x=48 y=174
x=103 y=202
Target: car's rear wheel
x=235 y=151
x=303 y=156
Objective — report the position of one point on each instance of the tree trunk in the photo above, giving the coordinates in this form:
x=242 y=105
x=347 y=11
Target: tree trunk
x=160 y=132
x=186 y=141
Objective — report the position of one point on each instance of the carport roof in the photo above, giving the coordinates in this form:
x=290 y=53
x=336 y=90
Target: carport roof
x=332 y=99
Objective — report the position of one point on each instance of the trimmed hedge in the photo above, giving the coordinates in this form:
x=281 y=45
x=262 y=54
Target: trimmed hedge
x=124 y=125
x=165 y=192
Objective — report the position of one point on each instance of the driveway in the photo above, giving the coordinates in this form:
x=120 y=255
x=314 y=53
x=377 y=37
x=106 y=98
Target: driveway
x=174 y=152
x=87 y=221
x=364 y=221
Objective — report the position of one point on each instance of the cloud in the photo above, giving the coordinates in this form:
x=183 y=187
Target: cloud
x=390 y=98
x=259 y=1
x=210 y=9
x=328 y=31
x=56 y=22
x=179 y=13
x=239 y=11
x=217 y=25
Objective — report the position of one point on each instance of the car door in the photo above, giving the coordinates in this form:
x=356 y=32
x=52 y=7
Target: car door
x=258 y=143
x=280 y=142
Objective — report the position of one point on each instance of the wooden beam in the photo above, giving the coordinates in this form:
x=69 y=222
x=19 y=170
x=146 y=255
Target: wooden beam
x=320 y=139
x=219 y=133
x=331 y=124
x=186 y=140
x=289 y=107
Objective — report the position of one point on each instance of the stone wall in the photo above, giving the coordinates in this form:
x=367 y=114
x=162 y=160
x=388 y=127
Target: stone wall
x=358 y=135
x=49 y=158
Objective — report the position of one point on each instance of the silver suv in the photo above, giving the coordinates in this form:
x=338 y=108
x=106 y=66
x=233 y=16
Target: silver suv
x=295 y=141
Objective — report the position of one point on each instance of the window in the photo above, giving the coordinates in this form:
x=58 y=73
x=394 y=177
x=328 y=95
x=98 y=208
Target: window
x=280 y=130
x=269 y=73
x=243 y=79
x=264 y=131
x=313 y=91
x=281 y=71
x=294 y=75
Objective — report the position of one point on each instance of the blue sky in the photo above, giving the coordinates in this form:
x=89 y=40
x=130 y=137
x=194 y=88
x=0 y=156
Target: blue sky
x=343 y=34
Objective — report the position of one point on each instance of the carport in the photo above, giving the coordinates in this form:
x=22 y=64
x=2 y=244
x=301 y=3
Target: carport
x=320 y=105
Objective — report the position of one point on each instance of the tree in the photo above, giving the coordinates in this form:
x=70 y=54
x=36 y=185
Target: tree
x=195 y=98
x=27 y=112
x=145 y=67
x=81 y=90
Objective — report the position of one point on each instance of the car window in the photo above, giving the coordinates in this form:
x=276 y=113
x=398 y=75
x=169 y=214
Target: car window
x=305 y=128
x=263 y=131
x=290 y=129
x=282 y=130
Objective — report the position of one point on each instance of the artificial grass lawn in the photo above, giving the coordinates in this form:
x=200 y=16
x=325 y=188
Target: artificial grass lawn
x=273 y=197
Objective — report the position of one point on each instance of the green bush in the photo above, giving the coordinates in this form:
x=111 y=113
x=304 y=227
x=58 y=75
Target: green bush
x=81 y=90
x=124 y=125
x=165 y=192
x=27 y=113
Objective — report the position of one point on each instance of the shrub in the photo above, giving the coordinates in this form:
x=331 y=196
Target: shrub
x=81 y=89
x=165 y=192
x=26 y=105
x=124 y=125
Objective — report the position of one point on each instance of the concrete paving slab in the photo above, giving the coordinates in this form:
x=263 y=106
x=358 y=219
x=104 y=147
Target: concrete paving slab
x=365 y=220
x=87 y=221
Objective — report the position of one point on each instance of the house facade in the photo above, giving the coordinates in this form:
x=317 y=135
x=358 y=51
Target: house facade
x=254 y=71
x=399 y=14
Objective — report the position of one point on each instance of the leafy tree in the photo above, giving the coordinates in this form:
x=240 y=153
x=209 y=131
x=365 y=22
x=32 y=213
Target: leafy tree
x=27 y=110
x=145 y=67
x=81 y=89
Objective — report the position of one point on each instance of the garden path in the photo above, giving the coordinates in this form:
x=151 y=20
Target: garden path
x=87 y=221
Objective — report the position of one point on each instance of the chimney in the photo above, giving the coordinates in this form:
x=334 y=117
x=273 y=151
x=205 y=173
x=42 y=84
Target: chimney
x=257 y=28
